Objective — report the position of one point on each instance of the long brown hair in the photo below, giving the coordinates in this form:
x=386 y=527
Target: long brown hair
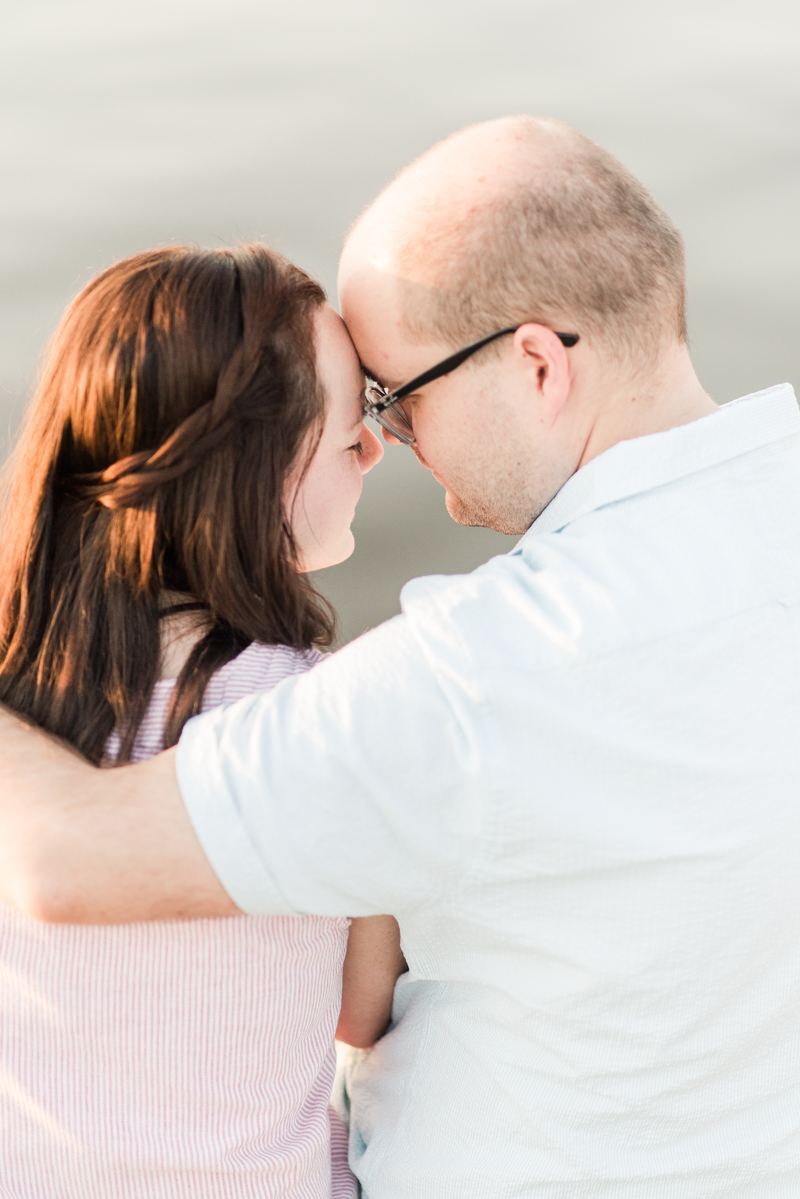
x=179 y=393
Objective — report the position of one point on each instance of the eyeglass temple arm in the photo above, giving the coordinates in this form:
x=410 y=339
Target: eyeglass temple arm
x=450 y=364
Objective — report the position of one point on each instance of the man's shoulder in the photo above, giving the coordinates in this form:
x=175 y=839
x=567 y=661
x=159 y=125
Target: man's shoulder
x=652 y=565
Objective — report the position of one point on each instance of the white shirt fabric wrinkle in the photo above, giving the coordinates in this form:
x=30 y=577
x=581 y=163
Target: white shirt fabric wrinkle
x=574 y=777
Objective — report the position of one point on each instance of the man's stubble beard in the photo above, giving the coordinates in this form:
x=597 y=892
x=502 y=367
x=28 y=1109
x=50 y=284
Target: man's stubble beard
x=512 y=508
x=480 y=517
x=509 y=504
x=512 y=515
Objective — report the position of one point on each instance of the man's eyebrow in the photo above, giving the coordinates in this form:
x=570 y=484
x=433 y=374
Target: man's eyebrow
x=375 y=377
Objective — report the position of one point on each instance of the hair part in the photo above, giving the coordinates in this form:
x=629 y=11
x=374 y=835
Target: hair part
x=577 y=243
x=179 y=393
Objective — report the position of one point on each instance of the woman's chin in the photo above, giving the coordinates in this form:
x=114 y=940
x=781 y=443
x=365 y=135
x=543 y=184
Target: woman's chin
x=333 y=556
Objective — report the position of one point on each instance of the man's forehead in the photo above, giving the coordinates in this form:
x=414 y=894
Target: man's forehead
x=393 y=369
x=374 y=322
x=374 y=305
x=379 y=359
x=367 y=289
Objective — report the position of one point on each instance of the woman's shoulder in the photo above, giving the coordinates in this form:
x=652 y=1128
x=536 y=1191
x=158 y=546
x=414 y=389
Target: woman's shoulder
x=257 y=668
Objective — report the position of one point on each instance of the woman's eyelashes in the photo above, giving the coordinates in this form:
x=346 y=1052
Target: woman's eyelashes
x=358 y=446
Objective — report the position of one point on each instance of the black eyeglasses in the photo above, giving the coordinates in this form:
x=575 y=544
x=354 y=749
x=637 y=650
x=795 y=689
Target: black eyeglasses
x=381 y=404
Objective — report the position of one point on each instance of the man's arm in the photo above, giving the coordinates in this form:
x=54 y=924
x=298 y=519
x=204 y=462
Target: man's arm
x=349 y=790
x=78 y=844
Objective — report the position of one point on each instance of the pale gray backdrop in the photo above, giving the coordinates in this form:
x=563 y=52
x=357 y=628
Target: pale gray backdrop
x=131 y=124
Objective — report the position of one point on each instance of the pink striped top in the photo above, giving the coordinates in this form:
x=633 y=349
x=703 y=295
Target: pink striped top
x=175 y=1058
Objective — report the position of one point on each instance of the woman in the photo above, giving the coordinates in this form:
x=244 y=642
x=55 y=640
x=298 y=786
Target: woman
x=195 y=448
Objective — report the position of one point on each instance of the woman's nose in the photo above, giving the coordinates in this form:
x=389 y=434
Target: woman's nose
x=371 y=450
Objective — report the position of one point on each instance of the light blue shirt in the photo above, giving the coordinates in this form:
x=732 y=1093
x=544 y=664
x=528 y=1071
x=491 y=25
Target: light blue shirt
x=574 y=776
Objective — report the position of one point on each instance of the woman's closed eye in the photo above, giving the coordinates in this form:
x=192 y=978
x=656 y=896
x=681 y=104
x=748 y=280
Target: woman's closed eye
x=358 y=447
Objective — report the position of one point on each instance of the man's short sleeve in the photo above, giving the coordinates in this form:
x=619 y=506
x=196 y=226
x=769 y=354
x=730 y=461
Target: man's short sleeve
x=347 y=791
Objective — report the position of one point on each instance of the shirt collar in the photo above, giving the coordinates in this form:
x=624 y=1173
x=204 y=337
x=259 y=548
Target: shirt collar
x=644 y=463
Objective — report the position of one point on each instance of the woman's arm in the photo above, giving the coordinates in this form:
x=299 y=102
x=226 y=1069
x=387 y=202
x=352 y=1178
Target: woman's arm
x=372 y=965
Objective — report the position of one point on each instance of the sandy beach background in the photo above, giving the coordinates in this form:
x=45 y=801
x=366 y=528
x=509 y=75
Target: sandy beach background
x=126 y=125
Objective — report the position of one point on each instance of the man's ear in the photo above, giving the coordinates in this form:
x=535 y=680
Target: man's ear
x=540 y=352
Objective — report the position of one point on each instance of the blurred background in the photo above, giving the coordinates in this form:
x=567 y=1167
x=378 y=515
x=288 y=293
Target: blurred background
x=127 y=125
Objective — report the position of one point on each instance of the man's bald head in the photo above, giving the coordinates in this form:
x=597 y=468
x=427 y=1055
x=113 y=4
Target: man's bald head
x=521 y=220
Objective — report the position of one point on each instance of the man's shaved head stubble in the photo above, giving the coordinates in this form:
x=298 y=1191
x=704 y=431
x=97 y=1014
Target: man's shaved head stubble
x=514 y=222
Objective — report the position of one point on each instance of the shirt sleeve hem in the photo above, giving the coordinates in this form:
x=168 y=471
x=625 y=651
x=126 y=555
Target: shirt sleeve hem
x=221 y=831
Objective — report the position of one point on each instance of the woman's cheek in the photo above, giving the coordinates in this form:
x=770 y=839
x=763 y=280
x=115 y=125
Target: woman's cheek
x=358 y=480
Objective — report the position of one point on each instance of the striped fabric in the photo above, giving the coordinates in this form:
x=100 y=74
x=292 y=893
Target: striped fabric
x=177 y=1058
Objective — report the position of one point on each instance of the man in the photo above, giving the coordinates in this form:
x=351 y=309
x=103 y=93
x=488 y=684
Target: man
x=572 y=775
